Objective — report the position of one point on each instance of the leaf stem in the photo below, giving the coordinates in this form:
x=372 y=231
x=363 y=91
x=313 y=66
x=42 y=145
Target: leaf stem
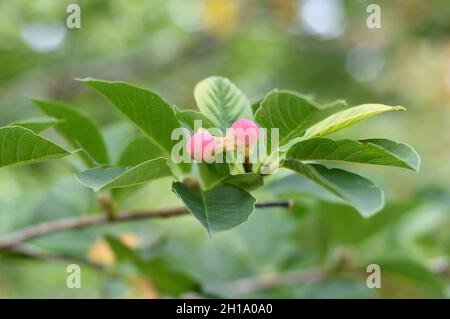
x=107 y=205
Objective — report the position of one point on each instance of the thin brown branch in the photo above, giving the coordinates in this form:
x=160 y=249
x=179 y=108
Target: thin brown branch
x=36 y=253
x=55 y=226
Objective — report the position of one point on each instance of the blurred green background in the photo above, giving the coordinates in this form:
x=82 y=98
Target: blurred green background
x=318 y=47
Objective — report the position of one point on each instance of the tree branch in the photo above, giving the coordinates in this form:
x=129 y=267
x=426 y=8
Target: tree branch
x=36 y=253
x=55 y=226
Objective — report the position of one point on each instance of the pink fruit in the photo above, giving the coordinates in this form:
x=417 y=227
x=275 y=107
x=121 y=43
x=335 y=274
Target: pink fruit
x=244 y=131
x=201 y=146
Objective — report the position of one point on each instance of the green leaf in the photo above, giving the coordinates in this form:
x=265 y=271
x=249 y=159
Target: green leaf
x=403 y=151
x=19 y=145
x=210 y=174
x=287 y=111
x=256 y=106
x=144 y=108
x=297 y=116
x=121 y=251
x=410 y=268
x=189 y=117
x=354 y=189
x=37 y=124
x=371 y=151
x=342 y=119
x=221 y=101
x=117 y=177
x=78 y=128
x=139 y=150
x=291 y=113
x=247 y=181
x=117 y=136
x=168 y=281
x=220 y=208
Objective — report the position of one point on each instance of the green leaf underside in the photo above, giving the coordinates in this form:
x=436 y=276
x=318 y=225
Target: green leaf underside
x=19 y=145
x=295 y=185
x=221 y=101
x=37 y=124
x=218 y=209
x=144 y=108
x=78 y=128
x=370 y=151
x=342 y=119
x=117 y=136
x=323 y=113
x=139 y=150
x=116 y=177
x=354 y=189
x=188 y=117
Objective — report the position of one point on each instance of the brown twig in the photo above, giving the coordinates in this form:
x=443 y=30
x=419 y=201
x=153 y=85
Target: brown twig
x=30 y=251
x=51 y=227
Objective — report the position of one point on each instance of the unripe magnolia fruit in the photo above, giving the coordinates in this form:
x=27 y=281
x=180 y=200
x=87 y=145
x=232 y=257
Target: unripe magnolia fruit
x=244 y=131
x=201 y=146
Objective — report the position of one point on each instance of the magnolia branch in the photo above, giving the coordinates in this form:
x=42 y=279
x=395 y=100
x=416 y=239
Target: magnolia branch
x=47 y=228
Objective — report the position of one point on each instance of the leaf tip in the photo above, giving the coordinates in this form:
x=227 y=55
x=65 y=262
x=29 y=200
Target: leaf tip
x=377 y=209
x=399 y=108
x=86 y=79
x=34 y=99
x=418 y=164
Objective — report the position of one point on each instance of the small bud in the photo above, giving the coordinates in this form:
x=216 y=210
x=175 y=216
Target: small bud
x=201 y=146
x=244 y=132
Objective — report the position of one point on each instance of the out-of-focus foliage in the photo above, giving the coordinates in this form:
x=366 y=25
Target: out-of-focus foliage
x=318 y=47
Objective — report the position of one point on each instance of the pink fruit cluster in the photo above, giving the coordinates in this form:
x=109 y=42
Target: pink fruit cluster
x=202 y=146
x=243 y=132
